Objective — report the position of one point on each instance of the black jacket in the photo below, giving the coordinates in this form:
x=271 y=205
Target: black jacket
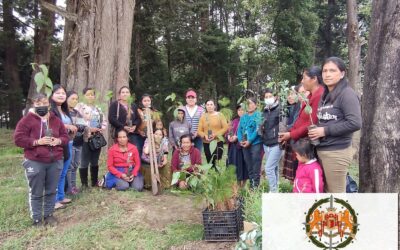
x=270 y=126
x=121 y=121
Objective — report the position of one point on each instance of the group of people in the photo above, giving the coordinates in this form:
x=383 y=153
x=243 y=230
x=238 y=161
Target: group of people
x=322 y=114
x=58 y=133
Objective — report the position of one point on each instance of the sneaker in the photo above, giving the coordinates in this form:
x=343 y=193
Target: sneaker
x=66 y=201
x=50 y=221
x=37 y=223
x=58 y=205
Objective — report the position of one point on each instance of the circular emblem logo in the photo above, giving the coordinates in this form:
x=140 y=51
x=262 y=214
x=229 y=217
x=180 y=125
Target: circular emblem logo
x=331 y=223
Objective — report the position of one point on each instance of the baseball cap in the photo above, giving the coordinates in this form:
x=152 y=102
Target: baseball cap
x=191 y=93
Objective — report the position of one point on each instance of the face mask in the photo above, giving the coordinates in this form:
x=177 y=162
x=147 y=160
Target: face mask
x=157 y=139
x=42 y=110
x=269 y=101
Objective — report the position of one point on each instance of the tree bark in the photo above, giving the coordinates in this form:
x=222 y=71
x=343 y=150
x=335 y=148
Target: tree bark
x=44 y=31
x=354 y=46
x=11 y=73
x=97 y=46
x=354 y=54
x=380 y=140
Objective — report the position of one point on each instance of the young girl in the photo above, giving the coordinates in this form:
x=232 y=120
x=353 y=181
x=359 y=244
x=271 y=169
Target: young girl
x=309 y=175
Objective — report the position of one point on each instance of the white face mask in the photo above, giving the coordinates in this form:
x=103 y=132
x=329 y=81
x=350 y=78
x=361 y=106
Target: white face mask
x=269 y=101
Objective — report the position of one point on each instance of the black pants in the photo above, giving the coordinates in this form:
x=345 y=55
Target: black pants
x=216 y=155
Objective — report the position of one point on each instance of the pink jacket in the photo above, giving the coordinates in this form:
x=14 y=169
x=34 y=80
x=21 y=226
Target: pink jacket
x=309 y=178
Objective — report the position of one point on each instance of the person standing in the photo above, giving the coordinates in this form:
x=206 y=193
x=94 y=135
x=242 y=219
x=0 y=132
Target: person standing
x=339 y=116
x=312 y=83
x=251 y=142
x=235 y=151
x=78 y=121
x=42 y=135
x=270 y=129
x=59 y=106
x=123 y=114
x=212 y=125
x=178 y=128
x=193 y=113
x=96 y=123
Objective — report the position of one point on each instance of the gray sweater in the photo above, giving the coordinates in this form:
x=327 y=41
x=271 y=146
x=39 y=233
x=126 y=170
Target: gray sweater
x=340 y=117
x=176 y=130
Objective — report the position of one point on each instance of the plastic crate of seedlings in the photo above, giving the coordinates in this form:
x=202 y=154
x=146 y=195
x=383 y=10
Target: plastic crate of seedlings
x=222 y=225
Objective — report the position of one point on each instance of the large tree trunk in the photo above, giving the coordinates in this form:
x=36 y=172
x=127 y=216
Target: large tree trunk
x=380 y=140
x=353 y=39
x=11 y=73
x=44 y=31
x=97 y=45
x=354 y=54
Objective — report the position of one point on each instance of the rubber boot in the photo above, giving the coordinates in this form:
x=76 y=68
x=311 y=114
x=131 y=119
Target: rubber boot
x=94 y=172
x=83 y=173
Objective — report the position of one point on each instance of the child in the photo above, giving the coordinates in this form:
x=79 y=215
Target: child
x=309 y=174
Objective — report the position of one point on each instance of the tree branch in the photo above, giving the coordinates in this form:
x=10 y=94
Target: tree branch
x=59 y=10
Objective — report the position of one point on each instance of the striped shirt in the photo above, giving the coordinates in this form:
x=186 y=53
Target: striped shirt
x=193 y=120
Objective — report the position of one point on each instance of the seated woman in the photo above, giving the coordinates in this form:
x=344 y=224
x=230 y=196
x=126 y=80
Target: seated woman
x=186 y=154
x=161 y=146
x=123 y=165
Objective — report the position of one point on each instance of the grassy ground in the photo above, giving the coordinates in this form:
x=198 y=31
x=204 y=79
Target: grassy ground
x=98 y=218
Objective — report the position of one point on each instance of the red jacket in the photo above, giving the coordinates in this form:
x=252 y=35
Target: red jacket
x=300 y=127
x=28 y=130
x=309 y=178
x=117 y=158
x=195 y=159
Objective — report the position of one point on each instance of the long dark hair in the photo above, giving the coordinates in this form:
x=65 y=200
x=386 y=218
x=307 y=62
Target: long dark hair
x=342 y=84
x=64 y=105
x=314 y=71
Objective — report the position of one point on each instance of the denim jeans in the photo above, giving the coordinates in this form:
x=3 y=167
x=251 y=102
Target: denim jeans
x=272 y=155
x=252 y=158
x=61 y=182
x=75 y=163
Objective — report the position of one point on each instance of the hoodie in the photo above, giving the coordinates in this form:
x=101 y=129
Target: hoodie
x=177 y=129
x=31 y=128
x=309 y=178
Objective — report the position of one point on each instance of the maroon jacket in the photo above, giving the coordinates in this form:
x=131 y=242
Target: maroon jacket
x=28 y=130
x=195 y=159
x=300 y=127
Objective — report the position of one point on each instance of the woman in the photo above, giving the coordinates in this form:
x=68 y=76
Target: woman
x=235 y=152
x=312 y=83
x=123 y=114
x=77 y=120
x=158 y=124
x=212 y=125
x=96 y=123
x=178 y=128
x=293 y=105
x=42 y=136
x=187 y=154
x=161 y=148
x=270 y=129
x=193 y=113
x=59 y=106
x=141 y=131
x=250 y=141
x=123 y=164
x=339 y=115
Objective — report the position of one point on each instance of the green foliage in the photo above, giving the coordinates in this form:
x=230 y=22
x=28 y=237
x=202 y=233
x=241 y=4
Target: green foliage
x=42 y=80
x=251 y=239
x=216 y=185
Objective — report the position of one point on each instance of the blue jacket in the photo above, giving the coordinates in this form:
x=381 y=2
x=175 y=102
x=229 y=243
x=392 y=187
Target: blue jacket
x=250 y=124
